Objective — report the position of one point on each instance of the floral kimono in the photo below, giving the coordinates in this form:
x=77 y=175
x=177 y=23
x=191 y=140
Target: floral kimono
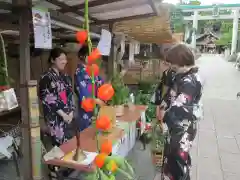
x=83 y=83
x=55 y=93
x=184 y=96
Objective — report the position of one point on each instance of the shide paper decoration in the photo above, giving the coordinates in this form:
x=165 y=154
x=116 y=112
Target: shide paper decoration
x=107 y=166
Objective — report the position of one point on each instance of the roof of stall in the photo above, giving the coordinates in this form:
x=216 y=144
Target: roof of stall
x=145 y=20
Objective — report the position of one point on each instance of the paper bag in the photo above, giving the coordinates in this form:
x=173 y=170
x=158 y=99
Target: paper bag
x=8 y=100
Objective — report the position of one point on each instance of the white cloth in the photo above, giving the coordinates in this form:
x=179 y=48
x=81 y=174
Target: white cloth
x=5 y=143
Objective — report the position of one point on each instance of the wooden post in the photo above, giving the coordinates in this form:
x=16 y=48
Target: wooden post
x=111 y=59
x=28 y=98
x=24 y=17
x=34 y=124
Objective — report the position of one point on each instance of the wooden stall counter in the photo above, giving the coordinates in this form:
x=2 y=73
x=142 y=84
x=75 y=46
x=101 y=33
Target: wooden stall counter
x=132 y=114
x=88 y=142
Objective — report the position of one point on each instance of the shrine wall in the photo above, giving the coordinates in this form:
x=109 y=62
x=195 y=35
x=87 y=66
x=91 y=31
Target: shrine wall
x=39 y=64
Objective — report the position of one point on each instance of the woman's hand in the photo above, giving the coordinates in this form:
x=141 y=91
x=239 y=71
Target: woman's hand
x=100 y=102
x=160 y=114
x=67 y=118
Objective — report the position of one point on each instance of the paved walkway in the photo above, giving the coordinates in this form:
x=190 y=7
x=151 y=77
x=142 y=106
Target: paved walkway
x=216 y=151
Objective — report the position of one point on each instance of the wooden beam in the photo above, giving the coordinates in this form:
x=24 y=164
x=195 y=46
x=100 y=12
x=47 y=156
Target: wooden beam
x=91 y=4
x=68 y=8
x=109 y=21
x=55 y=15
x=6 y=6
x=71 y=21
x=118 y=5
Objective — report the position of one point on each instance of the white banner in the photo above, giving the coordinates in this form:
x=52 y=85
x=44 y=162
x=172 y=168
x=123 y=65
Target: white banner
x=42 y=29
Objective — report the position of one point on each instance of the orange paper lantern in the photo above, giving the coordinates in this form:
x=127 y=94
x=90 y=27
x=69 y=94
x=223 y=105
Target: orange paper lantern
x=81 y=36
x=92 y=69
x=100 y=160
x=88 y=104
x=106 y=147
x=103 y=123
x=95 y=54
x=105 y=92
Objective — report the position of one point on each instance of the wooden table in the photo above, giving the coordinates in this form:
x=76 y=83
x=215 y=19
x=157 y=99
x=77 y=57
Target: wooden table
x=88 y=140
x=131 y=115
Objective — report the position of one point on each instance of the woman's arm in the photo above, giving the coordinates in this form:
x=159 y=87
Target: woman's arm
x=180 y=108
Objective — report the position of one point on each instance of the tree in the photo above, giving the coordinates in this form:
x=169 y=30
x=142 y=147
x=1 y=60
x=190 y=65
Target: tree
x=225 y=39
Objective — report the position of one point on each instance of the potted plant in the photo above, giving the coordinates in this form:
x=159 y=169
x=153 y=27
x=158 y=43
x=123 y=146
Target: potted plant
x=121 y=94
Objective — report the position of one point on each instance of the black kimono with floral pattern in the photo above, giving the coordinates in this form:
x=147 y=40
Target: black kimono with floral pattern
x=55 y=93
x=184 y=96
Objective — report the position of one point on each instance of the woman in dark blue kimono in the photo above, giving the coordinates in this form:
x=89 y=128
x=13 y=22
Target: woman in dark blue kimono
x=83 y=83
x=55 y=91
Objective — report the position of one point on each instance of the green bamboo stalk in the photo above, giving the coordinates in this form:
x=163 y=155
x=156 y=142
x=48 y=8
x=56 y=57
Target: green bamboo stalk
x=86 y=17
x=5 y=59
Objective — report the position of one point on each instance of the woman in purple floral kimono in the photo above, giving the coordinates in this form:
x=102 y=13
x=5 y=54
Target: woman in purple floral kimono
x=83 y=83
x=55 y=91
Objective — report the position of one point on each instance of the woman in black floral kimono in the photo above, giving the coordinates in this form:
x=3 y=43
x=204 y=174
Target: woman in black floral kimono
x=186 y=90
x=55 y=91
x=180 y=105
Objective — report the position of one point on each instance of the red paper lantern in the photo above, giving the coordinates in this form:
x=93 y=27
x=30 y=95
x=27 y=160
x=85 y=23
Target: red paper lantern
x=95 y=54
x=103 y=123
x=105 y=92
x=88 y=104
x=82 y=36
x=92 y=69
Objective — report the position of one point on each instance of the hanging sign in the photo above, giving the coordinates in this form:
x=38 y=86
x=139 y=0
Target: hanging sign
x=42 y=29
x=104 y=44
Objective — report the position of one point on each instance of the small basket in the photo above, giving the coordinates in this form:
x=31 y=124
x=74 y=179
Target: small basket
x=157 y=158
x=158 y=144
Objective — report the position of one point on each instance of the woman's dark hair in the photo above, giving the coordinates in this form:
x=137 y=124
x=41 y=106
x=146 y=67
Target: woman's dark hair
x=83 y=52
x=55 y=53
x=180 y=55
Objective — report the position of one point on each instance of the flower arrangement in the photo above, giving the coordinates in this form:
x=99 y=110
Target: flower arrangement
x=107 y=166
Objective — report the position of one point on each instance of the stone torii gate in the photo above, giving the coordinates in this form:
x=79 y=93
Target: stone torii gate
x=196 y=9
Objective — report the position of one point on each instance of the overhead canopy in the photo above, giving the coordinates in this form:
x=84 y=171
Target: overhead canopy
x=145 y=20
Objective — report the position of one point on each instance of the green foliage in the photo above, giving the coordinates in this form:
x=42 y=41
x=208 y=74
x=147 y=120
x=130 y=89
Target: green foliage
x=4 y=78
x=194 y=2
x=143 y=97
x=176 y=18
x=121 y=94
x=225 y=39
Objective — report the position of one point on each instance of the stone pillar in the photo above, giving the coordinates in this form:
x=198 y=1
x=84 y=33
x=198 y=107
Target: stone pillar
x=195 y=27
x=235 y=31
